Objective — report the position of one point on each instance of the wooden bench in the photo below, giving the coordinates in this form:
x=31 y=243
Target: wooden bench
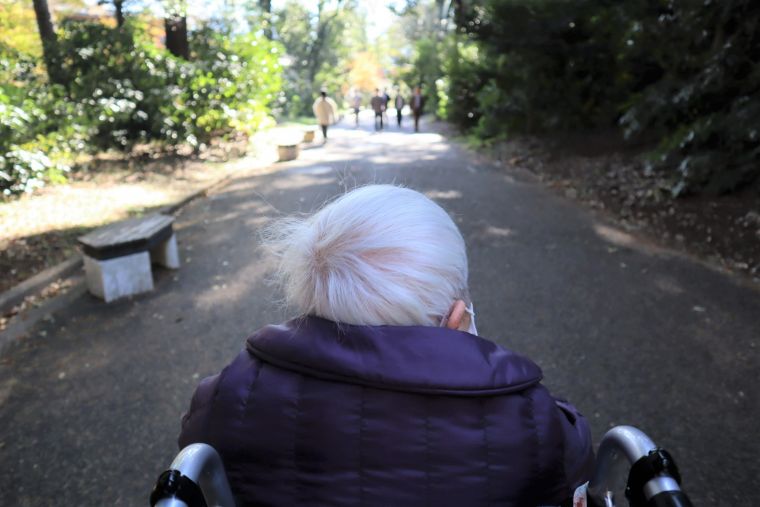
x=118 y=257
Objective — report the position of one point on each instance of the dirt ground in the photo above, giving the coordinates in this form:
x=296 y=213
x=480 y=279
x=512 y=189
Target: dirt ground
x=604 y=174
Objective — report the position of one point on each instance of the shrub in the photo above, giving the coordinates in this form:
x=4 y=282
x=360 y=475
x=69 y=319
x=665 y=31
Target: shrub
x=685 y=73
x=122 y=90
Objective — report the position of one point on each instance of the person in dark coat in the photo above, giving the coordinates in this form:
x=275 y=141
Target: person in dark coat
x=417 y=105
x=381 y=393
x=377 y=103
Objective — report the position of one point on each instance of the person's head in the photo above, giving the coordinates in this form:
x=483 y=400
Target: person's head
x=323 y=94
x=378 y=255
x=377 y=91
x=417 y=90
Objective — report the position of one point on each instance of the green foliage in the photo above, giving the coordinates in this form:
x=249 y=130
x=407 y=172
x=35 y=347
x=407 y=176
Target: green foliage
x=682 y=72
x=33 y=149
x=319 y=41
x=426 y=70
x=18 y=27
x=705 y=102
x=122 y=90
x=459 y=91
x=426 y=25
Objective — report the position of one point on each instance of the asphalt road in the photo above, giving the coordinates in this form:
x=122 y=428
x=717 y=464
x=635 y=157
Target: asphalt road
x=90 y=402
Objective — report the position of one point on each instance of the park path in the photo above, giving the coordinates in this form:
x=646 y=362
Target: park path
x=90 y=402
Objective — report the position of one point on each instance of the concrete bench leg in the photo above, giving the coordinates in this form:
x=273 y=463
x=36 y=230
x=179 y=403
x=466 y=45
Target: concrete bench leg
x=166 y=254
x=115 y=278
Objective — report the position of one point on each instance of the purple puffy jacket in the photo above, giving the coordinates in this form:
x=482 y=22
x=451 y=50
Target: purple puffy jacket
x=316 y=413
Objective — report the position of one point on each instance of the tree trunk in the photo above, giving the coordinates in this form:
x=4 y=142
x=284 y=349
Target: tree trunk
x=118 y=7
x=266 y=14
x=324 y=25
x=49 y=41
x=176 y=36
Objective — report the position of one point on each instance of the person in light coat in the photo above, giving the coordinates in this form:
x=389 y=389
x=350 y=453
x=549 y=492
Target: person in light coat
x=325 y=109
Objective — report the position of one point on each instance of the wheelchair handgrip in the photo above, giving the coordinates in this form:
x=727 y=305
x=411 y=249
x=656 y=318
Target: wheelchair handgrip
x=653 y=479
x=196 y=478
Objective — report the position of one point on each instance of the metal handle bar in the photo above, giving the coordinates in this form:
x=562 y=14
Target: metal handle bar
x=624 y=446
x=202 y=466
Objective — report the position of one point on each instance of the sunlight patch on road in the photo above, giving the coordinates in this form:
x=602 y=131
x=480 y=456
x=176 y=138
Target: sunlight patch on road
x=614 y=236
x=499 y=232
x=624 y=239
x=316 y=170
x=229 y=287
x=444 y=194
x=669 y=285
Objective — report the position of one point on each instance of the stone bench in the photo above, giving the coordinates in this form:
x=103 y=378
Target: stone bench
x=287 y=152
x=308 y=135
x=118 y=257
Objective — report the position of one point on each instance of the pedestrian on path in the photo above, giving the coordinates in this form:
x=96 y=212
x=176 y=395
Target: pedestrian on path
x=387 y=101
x=325 y=109
x=399 y=103
x=357 y=103
x=378 y=106
x=417 y=105
x=384 y=355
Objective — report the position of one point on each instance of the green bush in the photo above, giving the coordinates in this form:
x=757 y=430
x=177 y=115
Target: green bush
x=685 y=73
x=33 y=147
x=465 y=75
x=705 y=101
x=121 y=90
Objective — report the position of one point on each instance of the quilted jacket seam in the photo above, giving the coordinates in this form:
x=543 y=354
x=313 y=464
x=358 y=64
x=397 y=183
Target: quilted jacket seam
x=298 y=421
x=247 y=402
x=537 y=472
x=428 y=488
x=362 y=477
x=486 y=448
x=562 y=450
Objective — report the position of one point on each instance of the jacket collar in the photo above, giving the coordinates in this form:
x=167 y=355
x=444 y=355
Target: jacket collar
x=418 y=359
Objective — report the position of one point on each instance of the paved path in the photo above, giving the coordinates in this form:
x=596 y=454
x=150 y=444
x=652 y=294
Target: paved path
x=90 y=404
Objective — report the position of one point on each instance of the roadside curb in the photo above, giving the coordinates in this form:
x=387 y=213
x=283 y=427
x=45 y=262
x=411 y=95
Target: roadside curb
x=36 y=283
x=23 y=323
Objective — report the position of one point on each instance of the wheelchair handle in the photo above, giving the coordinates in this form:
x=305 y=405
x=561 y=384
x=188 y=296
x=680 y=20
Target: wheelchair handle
x=196 y=478
x=653 y=480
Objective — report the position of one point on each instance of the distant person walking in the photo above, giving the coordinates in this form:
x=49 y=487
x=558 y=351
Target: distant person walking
x=417 y=104
x=387 y=100
x=357 y=103
x=399 y=103
x=378 y=106
x=325 y=109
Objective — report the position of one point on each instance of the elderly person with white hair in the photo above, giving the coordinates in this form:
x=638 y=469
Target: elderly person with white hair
x=380 y=392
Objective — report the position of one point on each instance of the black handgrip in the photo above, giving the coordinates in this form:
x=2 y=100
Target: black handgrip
x=172 y=484
x=658 y=462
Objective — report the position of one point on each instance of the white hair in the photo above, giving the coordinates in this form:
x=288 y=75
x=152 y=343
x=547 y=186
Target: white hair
x=378 y=255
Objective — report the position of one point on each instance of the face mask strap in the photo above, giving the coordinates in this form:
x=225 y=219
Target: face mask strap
x=470 y=309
